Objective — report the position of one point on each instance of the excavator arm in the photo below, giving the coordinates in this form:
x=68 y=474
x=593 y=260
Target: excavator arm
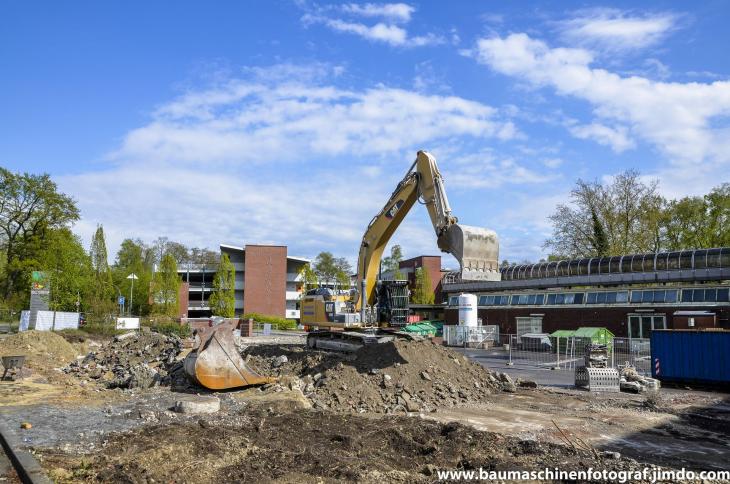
x=476 y=249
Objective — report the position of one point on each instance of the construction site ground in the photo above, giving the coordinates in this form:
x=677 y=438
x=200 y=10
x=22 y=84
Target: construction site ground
x=353 y=427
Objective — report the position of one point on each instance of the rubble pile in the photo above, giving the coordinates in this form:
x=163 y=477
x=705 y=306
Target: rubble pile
x=632 y=381
x=401 y=376
x=131 y=360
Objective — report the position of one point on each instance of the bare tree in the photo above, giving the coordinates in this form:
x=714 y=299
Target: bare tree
x=620 y=217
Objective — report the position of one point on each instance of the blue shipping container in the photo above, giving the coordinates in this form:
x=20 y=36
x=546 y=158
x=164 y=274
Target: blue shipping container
x=691 y=356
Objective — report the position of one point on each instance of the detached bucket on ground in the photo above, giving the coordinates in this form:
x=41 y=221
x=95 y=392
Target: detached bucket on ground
x=216 y=364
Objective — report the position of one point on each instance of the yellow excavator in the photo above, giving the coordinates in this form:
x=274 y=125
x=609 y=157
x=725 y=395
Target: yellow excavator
x=476 y=249
x=354 y=320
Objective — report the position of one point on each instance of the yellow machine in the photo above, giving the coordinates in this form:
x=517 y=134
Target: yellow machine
x=216 y=364
x=476 y=249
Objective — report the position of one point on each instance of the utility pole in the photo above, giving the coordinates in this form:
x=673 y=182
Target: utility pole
x=132 y=276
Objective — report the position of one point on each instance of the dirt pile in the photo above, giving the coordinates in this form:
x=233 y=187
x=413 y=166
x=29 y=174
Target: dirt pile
x=402 y=376
x=132 y=360
x=44 y=350
x=309 y=446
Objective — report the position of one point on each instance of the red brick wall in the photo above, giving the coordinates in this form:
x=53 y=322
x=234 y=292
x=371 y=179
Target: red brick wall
x=264 y=283
x=182 y=299
x=433 y=265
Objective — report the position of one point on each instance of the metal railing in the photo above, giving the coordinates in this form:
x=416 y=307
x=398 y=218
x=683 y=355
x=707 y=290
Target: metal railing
x=471 y=336
x=544 y=352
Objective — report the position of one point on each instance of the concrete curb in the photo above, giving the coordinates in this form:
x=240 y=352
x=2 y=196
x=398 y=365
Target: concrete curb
x=27 y=467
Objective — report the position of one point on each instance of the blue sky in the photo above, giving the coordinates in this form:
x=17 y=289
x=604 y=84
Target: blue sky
x=291 y=122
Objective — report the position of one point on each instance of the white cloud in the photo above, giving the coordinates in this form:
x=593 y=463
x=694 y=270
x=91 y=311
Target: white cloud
x=617 y=138
x=390 y=34
x=552 y=162
x=396 y=12
x=255 y=121
x=687 y=122
x=263 y=159
x=613 y=29
x=387 y=31
x=485 y=170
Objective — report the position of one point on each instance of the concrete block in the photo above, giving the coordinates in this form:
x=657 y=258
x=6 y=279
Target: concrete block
x=194 y=404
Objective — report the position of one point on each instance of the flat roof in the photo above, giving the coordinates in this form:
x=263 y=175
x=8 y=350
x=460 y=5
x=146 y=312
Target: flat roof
x=243 y=249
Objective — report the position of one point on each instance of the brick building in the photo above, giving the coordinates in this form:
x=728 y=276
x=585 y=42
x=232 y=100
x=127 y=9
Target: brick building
x=432 y=263
x=267 y=281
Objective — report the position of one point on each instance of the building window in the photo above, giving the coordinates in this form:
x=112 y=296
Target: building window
x=454 y=301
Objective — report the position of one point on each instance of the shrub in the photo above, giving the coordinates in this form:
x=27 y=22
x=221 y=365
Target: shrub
x=100 y=328
x=277 y=322
x=172 y=328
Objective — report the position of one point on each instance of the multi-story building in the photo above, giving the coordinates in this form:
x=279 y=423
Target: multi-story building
x=267 y=281
x=432 y=263
x=631 y=295
x=196 y=288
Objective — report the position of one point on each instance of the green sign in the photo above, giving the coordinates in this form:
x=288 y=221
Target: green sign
x=39 y=281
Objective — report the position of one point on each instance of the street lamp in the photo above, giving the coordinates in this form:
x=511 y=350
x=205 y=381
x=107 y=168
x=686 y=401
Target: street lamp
x=132 y=276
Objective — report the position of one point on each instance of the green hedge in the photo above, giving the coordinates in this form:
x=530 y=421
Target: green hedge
x=281 y=323
x=99 y=328
x=172 y=328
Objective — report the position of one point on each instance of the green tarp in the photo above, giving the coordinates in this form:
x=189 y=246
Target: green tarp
x=425 y=328
x=583 y=336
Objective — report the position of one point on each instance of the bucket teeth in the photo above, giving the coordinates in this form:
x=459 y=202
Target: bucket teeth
x=476 y=249
x=216 y=364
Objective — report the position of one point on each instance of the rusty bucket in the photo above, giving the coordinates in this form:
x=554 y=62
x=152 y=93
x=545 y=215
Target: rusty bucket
x=215 y=362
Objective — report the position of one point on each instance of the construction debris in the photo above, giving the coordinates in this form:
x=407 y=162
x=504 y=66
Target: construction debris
x=632 y=381
x=397 y=377
x=198 y=404
x=132 y=360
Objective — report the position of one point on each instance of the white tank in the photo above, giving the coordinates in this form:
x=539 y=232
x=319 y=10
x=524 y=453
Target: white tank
x=467 y=310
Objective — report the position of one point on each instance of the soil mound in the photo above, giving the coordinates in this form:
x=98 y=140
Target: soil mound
x=402 y=376
x=132 y=360
x=43 y=350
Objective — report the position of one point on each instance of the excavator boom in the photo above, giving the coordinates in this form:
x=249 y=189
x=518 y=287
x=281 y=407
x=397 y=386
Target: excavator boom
x=476 y=249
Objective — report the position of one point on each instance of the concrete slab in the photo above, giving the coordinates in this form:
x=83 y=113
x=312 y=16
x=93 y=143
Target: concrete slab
x=194 y=404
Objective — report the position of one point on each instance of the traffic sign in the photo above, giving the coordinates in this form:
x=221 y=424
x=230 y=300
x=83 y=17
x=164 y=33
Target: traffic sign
x=121 y=300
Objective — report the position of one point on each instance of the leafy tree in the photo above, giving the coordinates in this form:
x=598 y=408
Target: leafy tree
x=599 y=240
x=331 y=269
x=309 y=277
x=30 y=205
x=627 y=209
x=392 y=263
x=131 y=259
x=204 y=256
x=222 y=301
x=165 y=288
x=178 y=251
x=325 y=267
x=422 y=290
x=102 y=291
x=698 y=222
x=69 y=266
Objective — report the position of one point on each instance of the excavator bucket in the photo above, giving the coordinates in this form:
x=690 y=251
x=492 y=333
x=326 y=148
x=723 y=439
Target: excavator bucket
x=216 y=364
x=476 y=249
